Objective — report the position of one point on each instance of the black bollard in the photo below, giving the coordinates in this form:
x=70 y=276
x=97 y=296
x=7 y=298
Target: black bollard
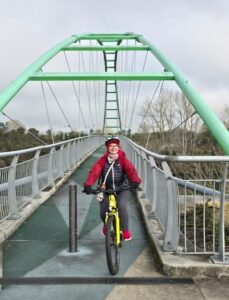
x=72 y=218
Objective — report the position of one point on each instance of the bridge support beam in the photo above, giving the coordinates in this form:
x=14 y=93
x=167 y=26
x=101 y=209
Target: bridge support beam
x=68 y=76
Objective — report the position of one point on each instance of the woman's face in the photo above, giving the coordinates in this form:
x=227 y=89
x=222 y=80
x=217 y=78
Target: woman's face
x=113 y=148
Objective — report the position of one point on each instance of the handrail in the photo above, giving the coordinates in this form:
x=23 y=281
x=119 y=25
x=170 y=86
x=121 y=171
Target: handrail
x=29 y=150
x=22 y=181
x=180 y=158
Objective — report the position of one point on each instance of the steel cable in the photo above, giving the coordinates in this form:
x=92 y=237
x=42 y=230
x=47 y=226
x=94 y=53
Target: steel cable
x=59 y=105
x=133 y=65
x=138 y=89
x=20 y=125
x=95 y=95
x=88 y=94
x=150 y=104
x=47 y=112
x=76 y=95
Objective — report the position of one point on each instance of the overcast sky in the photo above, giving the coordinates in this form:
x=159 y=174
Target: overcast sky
x=193 y=34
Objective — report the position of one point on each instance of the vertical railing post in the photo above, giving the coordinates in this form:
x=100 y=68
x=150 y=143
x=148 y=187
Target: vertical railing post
x=72 y=218
x=171 y=230
x=71 y=156
x=221 y=258
x=144 y=172
x=222 y=217
x=12 y=198
x=154 y=184
x=35 y=181
x=61 y=161
x=68 y=148
x=50 y=167
x=137 y=165
x=74 y=152
x=79 y=148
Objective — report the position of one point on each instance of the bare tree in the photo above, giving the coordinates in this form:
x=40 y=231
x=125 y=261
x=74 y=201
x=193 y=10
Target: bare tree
x=159 y=117
x=190 y=122
x=171 y=110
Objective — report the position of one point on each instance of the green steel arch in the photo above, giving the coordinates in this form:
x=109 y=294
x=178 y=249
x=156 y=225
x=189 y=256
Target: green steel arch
x=34 y=73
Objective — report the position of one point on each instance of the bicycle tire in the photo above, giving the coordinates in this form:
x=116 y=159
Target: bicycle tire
x=112 y=249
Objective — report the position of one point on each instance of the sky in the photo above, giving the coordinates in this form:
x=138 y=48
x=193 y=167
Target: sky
x=193 y=34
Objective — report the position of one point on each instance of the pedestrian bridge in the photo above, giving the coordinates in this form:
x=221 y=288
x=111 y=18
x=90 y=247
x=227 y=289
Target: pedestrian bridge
x=177 y=210
x=169 y=199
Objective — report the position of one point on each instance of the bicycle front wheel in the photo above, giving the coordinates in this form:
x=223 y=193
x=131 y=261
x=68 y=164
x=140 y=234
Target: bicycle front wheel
x=112 y=249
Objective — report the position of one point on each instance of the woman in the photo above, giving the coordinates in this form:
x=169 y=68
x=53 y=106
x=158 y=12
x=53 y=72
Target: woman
x=113 y=167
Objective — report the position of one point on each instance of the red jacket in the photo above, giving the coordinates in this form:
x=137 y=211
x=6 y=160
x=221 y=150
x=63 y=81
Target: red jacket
x=125 y=164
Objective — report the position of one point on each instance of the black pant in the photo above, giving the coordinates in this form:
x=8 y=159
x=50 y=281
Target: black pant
x=122 y=209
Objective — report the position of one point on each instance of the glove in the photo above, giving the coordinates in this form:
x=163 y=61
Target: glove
x=134 y=185
x=87 y=189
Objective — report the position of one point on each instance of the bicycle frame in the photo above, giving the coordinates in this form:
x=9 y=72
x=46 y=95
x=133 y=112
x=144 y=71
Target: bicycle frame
x=113 y=211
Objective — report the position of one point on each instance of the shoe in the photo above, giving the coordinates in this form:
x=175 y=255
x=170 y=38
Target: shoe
x=126 y=235
x=104 y=230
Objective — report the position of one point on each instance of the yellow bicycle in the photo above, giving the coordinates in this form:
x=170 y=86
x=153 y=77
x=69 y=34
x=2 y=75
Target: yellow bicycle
x=113 y=238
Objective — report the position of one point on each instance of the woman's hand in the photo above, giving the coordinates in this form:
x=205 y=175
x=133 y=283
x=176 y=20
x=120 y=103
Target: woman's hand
x=87 y=189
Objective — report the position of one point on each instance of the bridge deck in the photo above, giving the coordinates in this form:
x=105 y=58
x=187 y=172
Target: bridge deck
x=39 y=248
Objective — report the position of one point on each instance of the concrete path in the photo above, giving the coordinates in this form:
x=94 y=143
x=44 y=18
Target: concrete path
x=39 y=248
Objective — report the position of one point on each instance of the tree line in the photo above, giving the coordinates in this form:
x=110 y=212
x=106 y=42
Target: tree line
x=24 y=139
x=172 y=127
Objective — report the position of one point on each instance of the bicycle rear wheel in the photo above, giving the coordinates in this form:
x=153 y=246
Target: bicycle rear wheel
x=112 y=249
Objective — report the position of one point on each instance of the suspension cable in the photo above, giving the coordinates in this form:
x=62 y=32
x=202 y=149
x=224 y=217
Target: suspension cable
x=150 y=103
x=95 y=95
x=59 y=105
x=125 y=85
x=47 y=112
x=79 y=95
x=101 y=85
x=120 y=83
x=128 y=92
x=22 y=126
x=98 y=86
x=149 y=135
x=75 y=92
x=132 y=68
x=172 y=131
x=138 y=89
x=88 y=95
x=183 y=122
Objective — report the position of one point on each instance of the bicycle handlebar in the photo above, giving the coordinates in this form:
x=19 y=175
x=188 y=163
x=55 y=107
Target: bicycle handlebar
x=110 y=191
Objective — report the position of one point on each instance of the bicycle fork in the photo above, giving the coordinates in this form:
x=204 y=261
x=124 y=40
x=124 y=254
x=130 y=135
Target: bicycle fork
x=113 y=211
x=118 y=232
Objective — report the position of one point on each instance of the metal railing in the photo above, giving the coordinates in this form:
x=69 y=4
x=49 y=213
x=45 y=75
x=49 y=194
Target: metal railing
x=183 y=208
x=191 y=213
x=22 y=181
